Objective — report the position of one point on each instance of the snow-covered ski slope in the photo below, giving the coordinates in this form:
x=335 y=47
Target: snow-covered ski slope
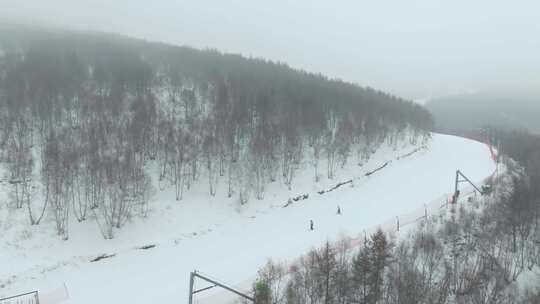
x=227 y=241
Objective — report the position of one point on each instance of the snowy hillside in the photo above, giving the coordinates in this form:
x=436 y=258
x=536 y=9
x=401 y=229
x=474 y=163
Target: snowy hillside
x=219 y=237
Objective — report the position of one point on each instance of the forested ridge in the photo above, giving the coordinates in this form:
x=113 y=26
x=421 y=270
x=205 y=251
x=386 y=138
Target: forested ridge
x=86 y=117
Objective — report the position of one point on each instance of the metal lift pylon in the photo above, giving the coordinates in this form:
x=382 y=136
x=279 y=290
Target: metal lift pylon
x=193 y=275
x=460 y=175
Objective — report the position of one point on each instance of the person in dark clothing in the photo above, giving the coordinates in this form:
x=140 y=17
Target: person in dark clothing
x=311 y=225
x=338 y=210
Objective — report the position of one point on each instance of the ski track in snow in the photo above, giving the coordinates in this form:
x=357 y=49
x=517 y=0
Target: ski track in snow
x=227 y=241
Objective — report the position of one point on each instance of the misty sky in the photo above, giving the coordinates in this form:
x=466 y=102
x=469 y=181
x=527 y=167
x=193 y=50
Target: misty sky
x=413 y=48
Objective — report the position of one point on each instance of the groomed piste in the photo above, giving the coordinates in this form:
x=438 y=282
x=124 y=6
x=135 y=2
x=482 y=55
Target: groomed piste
x=149 y=261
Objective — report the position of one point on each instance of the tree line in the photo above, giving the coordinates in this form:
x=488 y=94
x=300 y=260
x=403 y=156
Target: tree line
x=91 y=124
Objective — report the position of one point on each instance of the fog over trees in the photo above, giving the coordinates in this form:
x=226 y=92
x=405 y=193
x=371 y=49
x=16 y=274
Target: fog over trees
x=414 y=49
x=501 y=108
x=87 y=118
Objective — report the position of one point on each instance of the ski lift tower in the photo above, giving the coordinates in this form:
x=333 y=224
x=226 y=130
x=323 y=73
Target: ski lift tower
x=461 y=178
x=193 y=275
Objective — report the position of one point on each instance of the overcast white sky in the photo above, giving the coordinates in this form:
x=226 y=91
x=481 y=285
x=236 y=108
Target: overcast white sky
x=413 y=48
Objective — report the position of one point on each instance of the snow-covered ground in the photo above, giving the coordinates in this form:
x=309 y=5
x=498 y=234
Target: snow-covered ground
x=216 y=236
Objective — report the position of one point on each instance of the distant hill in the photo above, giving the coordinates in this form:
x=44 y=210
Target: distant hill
x=508 y=109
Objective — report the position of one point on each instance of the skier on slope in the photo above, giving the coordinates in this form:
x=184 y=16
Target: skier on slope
x=338 y=210
x=311 y=225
